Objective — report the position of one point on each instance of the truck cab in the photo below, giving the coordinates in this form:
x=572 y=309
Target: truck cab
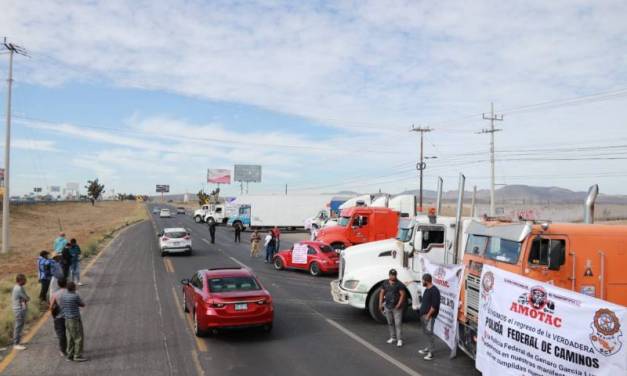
x=241 y=216
x=364 y=267
x=586 y=258
x=360 y=224
x=212 y=213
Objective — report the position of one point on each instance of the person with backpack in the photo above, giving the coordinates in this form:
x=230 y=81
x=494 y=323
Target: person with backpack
x=270 y=244
x=75 y=259
x=59 y=243
x=57 y=316
x=71 y=303
x=44 y=266
x=56 y=270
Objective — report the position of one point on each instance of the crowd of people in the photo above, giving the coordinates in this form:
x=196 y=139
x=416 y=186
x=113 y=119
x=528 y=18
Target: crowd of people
x=59 y=277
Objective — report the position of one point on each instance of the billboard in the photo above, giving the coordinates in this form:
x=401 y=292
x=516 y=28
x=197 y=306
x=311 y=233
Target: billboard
x=71 y=186
x=37 y=189
x=163 y=188
x=247 y=173
x=54 y=188
x=219 y=176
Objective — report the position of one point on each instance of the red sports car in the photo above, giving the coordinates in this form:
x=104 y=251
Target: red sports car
x=229 y=297
x=316 y=257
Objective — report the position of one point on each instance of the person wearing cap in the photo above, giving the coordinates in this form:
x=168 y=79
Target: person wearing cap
x=429 y=309
x=392 y=298
x=59 y=243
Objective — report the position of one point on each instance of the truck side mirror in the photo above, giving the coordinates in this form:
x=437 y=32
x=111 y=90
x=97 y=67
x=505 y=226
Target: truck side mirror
x=556 y=257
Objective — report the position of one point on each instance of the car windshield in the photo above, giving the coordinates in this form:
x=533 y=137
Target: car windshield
x=326 y=249
x=404 y=234
x=494 y=248
x=176 y=234
x=344 y=221
x=228 y=284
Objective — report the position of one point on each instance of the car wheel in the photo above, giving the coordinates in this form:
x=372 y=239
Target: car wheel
x=373 y=306
x=278 y=263
x=197 y=219
x=314 y=269
x=185 y=309
x=338 y=246
x=197 y=331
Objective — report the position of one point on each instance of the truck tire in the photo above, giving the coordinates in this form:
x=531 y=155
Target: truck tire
x=197 y=219
x=373 y=306
x=338 y=246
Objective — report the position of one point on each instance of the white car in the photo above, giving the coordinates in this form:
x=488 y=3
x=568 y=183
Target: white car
x=164 y=213
x=175 y=240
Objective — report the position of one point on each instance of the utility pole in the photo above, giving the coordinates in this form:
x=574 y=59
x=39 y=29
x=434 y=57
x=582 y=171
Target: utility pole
x=286 y=189
x=421 y=165
x=13 y=49
x=492 y=117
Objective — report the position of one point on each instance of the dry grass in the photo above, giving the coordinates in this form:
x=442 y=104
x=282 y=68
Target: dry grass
x=33 y=229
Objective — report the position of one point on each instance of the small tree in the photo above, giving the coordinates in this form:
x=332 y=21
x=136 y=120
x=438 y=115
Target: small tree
x=94 y=190
x=203 y=198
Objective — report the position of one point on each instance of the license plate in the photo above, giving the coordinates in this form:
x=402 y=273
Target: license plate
x=241 y=306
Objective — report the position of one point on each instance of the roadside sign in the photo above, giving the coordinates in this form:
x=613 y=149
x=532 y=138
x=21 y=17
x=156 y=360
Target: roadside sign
x=218 y=176
x=163 y=188
x=247 y=173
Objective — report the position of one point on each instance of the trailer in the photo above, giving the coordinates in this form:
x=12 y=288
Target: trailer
x=286 y=211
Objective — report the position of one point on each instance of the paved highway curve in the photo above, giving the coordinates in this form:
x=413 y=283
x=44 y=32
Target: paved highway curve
x=135 y=324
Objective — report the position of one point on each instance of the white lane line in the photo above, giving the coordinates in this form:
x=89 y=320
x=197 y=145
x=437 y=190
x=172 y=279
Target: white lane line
x=206 y=241
x=373 y=348
x=239 y=262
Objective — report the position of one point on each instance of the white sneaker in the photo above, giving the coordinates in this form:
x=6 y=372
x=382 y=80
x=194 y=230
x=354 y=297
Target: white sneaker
x=424 y=351
x=391 y=340
x=19 y=347
x=80 y=283
x=399 y=343
x=429 y=356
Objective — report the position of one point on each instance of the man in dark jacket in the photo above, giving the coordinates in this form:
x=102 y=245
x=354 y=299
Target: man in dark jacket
x=212 y=231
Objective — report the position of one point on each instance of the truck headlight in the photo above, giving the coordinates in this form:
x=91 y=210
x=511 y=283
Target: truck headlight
x=351 y=284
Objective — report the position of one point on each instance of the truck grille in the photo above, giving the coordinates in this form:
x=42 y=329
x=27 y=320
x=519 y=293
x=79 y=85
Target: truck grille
x=471 y=303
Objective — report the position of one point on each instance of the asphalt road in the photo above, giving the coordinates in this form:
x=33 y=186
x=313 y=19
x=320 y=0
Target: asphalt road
x=135 y=325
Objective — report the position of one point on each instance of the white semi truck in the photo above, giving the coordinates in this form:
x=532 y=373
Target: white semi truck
x=218 y=213
x=364 y=267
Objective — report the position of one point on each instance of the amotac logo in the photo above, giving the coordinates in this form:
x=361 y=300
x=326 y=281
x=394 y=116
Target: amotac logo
x=606 y=334
x=536 y=305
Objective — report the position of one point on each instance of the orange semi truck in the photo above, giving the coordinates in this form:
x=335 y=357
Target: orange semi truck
x=588 y=258
x=360 y=224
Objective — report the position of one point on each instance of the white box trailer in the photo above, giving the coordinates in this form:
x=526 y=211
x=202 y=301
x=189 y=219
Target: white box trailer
x=287 y=211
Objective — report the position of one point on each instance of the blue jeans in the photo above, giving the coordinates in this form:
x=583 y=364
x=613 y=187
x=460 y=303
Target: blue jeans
x=269 y=253
x=75 y=271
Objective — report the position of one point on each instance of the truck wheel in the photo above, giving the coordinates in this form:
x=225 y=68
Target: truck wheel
x=197 y=219
x=373 y=306
x=314 y=269
x=278 y=263
x=338 y=246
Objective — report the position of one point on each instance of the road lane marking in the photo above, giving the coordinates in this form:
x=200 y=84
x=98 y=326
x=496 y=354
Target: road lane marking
x=372 y=348
x=35 y=328
x=168 y=265
x=239 y=262
x=202 y=346
x=178 y=303
x=206 y=241
x=199 y=370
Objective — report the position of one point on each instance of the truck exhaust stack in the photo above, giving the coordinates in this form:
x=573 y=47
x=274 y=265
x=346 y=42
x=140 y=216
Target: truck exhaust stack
x=438 y=200
x=588 y=210
x=458 y=217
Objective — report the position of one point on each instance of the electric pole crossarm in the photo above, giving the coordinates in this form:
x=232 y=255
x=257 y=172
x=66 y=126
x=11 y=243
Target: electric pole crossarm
x=421 y=165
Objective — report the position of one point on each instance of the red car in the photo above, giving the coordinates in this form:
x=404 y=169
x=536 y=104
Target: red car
x=316 y=257
x=229 y=297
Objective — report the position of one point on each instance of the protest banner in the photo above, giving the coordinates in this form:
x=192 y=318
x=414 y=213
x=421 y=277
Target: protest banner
x=527 y=327
x=299 y=254
x=447 y=279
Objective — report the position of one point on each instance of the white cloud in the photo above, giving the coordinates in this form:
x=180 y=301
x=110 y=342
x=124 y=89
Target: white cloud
x=29 y=144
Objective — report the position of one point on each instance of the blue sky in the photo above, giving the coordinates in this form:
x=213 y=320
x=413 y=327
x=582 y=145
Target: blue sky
x=321 y=94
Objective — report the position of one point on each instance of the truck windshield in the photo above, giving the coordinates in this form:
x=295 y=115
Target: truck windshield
x=344 y=221
x=493 y=248
x=404 y=234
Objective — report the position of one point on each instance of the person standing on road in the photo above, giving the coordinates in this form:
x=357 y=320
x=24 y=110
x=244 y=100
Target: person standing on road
x=270 y=244
x=75 y=262
x=238 y=233
x=71 y=303
x=44 y=266
x=56 y=269
x=255 y=238
x=212 y=231
x=57 y=314
x=59 y=243
x=277 y=238
x=20 y=300
x=429 y=309
x=392 y=302
x=66 y=260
